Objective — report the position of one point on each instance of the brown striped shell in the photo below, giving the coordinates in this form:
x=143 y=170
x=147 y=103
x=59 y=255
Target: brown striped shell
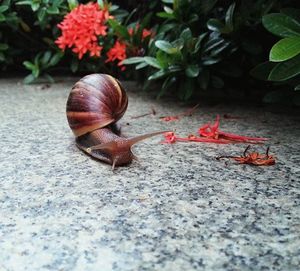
x=95 y=101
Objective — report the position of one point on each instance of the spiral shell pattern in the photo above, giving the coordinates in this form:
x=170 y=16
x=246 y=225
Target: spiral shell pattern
x=95 y=101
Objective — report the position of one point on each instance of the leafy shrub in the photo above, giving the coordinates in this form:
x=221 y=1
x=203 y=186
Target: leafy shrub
x=205 y=44
x=186 y=46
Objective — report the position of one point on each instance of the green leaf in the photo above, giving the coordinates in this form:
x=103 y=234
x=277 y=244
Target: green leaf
x=45 y=58
x=166 y=85
x=163 y=59
x=53 y=10
x=164 y=46
x=165 y=15
x=3 y=8
x=186 y=89
x=198 y=43
x=2 y=17
x=36 y=72
x=152 y=62
x=285 y=70
x=262 y=71
x=29 y=65
x=213 y=43
x=168 y=47
x=157 y=75
x=166 y=27
x=285 y=49
x=27 y=2
x=219 y=48
x=178 y=44
x=297 y=87
x=55 y=59
x=113 y=8
x=164 y=72
x=41 y=14
x=3 y=46
x=229 y=16
x=215 y=25
x=281 y=25
x=29 y=79
x=119 y=29
x=133 y=60
x=49 y=78
x=100 y=3
x=186 y=34
x=72 y=4
x=141 y=65
x=210 y=61
x=35 y=6
x=192 y=71
x=168 y=10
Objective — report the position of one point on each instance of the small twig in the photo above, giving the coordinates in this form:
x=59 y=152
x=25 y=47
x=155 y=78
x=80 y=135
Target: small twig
x=188 y=112
x=152 y=112
x=245 y=151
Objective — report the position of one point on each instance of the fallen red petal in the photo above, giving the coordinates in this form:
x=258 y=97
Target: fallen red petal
x=169 y=118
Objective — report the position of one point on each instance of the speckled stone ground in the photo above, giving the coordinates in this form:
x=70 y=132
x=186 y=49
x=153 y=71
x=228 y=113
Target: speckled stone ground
x=177 y=209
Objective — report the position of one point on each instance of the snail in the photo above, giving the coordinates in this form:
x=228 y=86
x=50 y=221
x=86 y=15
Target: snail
x=95 y=104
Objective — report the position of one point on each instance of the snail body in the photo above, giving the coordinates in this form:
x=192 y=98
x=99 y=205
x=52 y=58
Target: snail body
x=96 y=102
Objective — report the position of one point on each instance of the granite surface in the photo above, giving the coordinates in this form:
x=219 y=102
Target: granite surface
x=177 y=209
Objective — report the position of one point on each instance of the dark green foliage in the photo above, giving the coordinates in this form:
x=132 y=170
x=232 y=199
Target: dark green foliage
x=284 y=57
x=206 y=44
x=196 y=46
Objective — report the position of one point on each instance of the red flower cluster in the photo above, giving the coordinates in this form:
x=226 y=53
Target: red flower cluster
x=211 y=134
x=81 y=28
x=117 y=52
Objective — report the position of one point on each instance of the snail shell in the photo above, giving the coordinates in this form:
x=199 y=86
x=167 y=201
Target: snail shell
x=95 y=101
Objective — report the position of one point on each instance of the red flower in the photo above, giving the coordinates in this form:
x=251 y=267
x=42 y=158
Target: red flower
x=253 y=158
x=212 y=131
x=169 y=137
x=117 y=52
x=81 y=28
